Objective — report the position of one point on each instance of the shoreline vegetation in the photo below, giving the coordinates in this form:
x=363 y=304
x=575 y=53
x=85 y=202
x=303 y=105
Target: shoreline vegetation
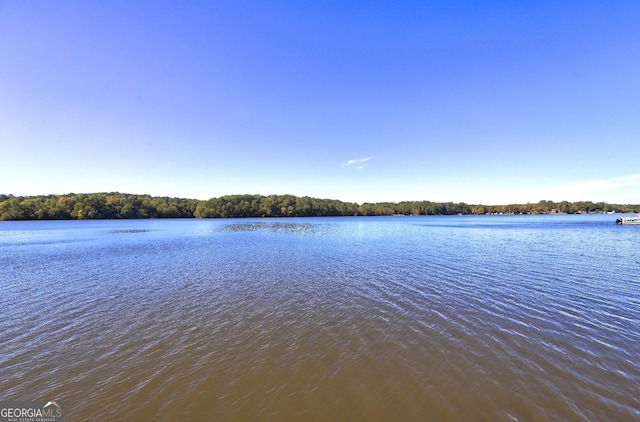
x=115 y=205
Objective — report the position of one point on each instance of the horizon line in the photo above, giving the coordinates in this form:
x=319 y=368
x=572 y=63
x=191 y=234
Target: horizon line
x=314 y=197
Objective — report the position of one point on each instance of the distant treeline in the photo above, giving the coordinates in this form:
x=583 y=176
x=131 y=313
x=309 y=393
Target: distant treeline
x=93 y=206
x=120 y=205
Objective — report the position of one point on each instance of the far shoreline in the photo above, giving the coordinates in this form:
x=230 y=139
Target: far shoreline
x=123 y=206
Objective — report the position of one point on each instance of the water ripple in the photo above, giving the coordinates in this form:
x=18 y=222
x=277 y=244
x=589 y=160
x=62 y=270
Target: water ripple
x=324 y=319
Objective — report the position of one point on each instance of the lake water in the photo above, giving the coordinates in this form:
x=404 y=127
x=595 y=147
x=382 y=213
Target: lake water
x=491 y=318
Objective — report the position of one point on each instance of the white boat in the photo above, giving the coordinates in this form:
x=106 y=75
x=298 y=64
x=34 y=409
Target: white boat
x=629 y=220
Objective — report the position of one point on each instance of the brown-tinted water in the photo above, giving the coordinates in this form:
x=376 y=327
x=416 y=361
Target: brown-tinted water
x=427 y=318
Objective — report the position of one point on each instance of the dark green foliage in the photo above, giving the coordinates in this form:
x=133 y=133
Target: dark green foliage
x=93 y=206
x=120 y=205
x=550 y=207
x=273 y=206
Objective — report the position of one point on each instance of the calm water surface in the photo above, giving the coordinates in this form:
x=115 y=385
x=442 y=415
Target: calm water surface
x=512 y=318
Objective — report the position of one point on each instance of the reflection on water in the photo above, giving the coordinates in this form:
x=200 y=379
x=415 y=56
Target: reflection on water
x=129 y=231
x=273 y=227
x=414 y=318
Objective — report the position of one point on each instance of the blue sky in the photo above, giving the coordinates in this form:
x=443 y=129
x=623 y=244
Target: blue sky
x=488 y=102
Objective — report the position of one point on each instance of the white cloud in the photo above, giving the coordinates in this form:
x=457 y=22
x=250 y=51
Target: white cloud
x=615 y=190
x=358 y=164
